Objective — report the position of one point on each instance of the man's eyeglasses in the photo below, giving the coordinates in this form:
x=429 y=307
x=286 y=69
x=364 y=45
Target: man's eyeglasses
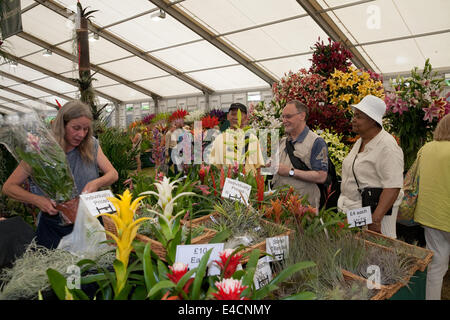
x=288 y=116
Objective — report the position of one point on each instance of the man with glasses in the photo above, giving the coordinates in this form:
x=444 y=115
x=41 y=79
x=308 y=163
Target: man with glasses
x=308 y=147
x=235 y=146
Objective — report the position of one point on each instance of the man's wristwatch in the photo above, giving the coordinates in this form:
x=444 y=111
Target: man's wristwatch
x=291 y=172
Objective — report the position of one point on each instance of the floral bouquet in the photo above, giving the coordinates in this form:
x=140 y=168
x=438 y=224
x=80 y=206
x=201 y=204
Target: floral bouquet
x=414 y=108
x=337 y=150
x=348 y=88
x=309 y=88
x=29 y=140
x=327 y=58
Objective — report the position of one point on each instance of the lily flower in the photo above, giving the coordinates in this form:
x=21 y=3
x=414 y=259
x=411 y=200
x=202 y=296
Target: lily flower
x=229 y=289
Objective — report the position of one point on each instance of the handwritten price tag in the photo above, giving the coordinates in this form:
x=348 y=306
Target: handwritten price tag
x=278 y=247
x=236 y=190
x=97 y=202
x=191 y=254
x=359 y=217
x=263 y=273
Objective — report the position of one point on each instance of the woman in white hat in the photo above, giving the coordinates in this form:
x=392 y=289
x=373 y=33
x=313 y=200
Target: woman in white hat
x=375 y=161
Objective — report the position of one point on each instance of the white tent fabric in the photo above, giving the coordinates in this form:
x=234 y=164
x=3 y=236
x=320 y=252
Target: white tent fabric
x=271 y=37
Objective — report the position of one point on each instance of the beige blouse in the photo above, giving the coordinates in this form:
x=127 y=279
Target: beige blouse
x=380 y=165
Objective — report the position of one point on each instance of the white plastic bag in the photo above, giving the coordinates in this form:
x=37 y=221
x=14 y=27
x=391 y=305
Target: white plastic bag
x=87 y=235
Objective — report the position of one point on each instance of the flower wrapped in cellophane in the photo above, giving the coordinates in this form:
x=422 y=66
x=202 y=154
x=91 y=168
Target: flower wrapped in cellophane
x=27 y=138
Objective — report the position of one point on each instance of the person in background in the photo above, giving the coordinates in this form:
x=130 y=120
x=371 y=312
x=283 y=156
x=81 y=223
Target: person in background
x=375 y=161
x=137 y=140
x=308 y=147
x=433 y=204
x=73 y=131
x=225 y=151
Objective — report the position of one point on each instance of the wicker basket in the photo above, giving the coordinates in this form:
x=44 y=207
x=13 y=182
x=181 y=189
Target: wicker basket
x=157 y=246
x=423 y=261
x=388 y=290
x=348 y=276
x=261 y=245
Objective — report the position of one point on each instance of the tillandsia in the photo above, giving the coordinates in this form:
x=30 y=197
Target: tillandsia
x=127 y=229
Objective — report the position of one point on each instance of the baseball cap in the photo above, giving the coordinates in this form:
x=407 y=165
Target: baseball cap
x=238 y=106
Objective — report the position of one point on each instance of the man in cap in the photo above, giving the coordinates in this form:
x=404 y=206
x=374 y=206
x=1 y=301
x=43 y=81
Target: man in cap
x=235 y=145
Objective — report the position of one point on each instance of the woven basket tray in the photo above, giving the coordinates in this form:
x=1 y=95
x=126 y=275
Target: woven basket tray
x=157 y=246
x=390 y=290
x=423 y=261
x=261 y=245
x=348 y=276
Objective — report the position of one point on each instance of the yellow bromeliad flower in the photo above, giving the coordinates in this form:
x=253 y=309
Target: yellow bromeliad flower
x=126 y=230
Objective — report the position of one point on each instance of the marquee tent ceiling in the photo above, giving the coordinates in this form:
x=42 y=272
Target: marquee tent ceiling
x=208 y=46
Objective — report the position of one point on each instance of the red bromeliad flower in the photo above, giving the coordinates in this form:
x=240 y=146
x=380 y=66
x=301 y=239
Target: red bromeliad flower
x=178 y=270
x=229 y=289
x=179 y=114
x=203 y=172
x=233 y=262
x=260 y=187
x=209 y=122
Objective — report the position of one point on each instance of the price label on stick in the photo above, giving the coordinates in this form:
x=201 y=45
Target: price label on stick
x=236 y=190
x=263 y=273
x=359 y=217
x=97 y=202
x=191 y=254
x=278 y=247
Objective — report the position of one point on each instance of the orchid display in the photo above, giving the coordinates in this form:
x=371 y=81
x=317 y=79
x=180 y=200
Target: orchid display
x=414 y=108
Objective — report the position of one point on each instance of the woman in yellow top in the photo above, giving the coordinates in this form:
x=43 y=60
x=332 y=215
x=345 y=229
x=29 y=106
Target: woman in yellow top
x=433 y=204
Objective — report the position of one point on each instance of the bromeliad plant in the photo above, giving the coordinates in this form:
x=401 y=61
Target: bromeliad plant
x=126 y=228
x=168 y=229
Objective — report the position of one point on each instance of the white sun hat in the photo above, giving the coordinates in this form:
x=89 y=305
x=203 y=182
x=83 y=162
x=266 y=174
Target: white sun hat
x=373 y=107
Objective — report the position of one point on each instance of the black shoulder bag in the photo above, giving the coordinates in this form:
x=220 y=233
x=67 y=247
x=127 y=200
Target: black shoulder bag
x=297 y=163
x=370 y=196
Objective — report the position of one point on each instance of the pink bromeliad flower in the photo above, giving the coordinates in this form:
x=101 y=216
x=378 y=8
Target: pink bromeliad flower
x=229 y=289
x=178 y=270
x=232 y=264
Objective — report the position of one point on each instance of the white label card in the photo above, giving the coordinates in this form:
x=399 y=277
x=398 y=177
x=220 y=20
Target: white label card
x=97 y=202
x=278 y=247
x=236 y=190
x=359 y=217
x=191 y=254
x=263 y=273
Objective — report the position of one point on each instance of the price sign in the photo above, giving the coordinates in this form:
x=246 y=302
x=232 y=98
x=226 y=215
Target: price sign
x=263 y=273
x=97 y=202
x=191 y=254
x=278 y=247
x=236 y=190
x=359 y=217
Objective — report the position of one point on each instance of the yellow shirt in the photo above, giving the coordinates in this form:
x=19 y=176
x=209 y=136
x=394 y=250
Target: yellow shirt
x=433 y=201
x=229 y=147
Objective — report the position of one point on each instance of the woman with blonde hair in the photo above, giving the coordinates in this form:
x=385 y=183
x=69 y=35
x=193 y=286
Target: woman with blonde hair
x=433 y=204
x=73 y=130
